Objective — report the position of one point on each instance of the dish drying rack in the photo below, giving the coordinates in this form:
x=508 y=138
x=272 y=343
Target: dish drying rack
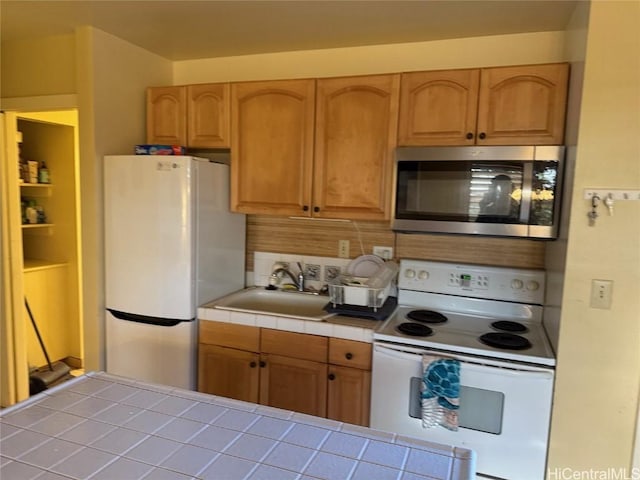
x=369 y=292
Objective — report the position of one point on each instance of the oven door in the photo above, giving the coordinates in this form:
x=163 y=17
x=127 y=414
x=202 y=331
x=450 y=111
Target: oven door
x=504 y=414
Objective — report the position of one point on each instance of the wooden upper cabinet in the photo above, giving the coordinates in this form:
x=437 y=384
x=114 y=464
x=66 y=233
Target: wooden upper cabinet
x=272 y=146
x=167 y=115
x=356 y=132
x=523 y=105
x=439 y=108
x=193 y=115
x=324 y=152
x=209 y=116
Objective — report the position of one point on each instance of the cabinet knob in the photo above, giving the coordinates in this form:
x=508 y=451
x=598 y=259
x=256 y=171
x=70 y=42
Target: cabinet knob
x=263 y=364
x=348 y=356
x=332 y=376
x=305 y=208
x=316 y=209
x=482 y=136
x=253 y=364
x=469 y=136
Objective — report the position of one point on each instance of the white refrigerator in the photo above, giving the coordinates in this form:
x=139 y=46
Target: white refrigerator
x=171 y=244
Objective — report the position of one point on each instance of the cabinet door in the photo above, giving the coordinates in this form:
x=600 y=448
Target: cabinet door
x=294 y=384
x=294 y=345
x=356 y=131
x=224 y=334
x=209 y=115
x=349 y=395
x=272 y=147
x=523 y=105
x=438 y=108
x=167 y=115
x=350 y=353
x=228 y=372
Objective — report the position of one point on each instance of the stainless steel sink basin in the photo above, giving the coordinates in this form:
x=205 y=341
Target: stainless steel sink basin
x=275 y=302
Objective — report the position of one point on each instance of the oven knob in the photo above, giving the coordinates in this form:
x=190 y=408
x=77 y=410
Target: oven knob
x=423 y=275
x=516 y=284
x=533 y=285
x=409 y=273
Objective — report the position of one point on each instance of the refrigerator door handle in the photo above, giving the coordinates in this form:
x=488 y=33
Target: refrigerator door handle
x=160 y=322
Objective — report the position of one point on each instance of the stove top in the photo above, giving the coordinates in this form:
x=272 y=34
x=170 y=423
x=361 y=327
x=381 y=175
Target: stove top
x=468 y=322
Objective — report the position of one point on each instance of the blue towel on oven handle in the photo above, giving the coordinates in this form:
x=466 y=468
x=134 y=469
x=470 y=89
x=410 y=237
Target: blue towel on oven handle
x=440 y=392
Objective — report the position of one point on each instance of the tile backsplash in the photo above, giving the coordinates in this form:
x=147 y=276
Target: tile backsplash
x=318 y=270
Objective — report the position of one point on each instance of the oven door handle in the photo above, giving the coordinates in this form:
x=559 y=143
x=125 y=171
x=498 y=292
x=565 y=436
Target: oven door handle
x=504 y=369
x=403 y=353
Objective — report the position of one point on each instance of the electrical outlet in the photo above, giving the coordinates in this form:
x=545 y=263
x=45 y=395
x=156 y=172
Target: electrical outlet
x=343 y=248
x=601 y=291
x=331 y=272
x=386 y=253
x=312 y=272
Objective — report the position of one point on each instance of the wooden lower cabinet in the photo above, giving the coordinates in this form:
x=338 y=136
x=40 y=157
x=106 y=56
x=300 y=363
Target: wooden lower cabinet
x=294 y=384
x=228 y=372
x=349 y=395
x=349 y=392
x=321 y=376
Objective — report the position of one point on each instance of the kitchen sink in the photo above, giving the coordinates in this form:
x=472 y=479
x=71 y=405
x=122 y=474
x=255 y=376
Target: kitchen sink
x=293 y=304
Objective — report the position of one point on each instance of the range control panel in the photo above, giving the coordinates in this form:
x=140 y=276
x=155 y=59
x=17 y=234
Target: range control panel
x=495 y=283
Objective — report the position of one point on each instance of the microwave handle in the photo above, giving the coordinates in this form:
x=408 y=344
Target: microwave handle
x=525 y=200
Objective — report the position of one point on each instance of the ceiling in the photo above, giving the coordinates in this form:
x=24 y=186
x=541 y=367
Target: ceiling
x=183 y=30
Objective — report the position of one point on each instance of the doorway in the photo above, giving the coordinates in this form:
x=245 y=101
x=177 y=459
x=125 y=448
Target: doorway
x=44 y=249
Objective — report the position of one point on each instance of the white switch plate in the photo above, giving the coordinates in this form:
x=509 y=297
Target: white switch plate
x=343 y=248
x=601 y=292
x=386 y=253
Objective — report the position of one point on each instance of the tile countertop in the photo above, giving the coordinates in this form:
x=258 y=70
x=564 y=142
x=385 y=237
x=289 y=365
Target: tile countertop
x=338 y=326
x=100 y=426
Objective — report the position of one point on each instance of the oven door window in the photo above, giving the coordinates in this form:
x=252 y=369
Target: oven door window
x=480 y=409
x=461 y=191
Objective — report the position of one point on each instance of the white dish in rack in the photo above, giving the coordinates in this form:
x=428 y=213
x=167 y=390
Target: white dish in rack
x=365 y=266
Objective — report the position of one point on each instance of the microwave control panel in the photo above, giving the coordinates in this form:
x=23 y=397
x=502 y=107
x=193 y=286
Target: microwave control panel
x=496 y=283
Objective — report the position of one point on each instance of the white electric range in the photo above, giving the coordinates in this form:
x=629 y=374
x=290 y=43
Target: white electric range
x=491 y=320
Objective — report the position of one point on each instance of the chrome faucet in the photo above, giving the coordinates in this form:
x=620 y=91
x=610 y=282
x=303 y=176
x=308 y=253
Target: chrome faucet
x=297 y=281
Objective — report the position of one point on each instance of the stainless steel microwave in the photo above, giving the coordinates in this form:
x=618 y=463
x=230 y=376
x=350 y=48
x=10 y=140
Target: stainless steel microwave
x=512 y=191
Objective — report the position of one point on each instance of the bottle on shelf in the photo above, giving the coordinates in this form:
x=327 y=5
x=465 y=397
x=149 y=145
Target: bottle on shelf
x=32 y=213
x=24 y=169
x=43 y=173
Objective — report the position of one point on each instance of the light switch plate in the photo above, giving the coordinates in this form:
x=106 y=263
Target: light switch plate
x=601 y=292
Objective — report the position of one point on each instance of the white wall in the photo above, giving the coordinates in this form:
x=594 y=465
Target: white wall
x=112 y=78
x=598 y=374
x=556 y=251
x=545 y=47
x=39 y=66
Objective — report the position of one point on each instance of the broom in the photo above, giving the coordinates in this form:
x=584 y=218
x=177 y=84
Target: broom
x=41 y=378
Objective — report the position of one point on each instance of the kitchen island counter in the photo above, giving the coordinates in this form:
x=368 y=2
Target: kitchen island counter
x=100 y=426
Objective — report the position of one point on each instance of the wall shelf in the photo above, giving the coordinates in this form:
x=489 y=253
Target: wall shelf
x=37 y=228
x=34 y=265
x=36 y=189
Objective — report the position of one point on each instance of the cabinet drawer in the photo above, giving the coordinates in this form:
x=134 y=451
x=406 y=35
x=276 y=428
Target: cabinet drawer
x=243 y=337
x=296 y=345
x=350 y=353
